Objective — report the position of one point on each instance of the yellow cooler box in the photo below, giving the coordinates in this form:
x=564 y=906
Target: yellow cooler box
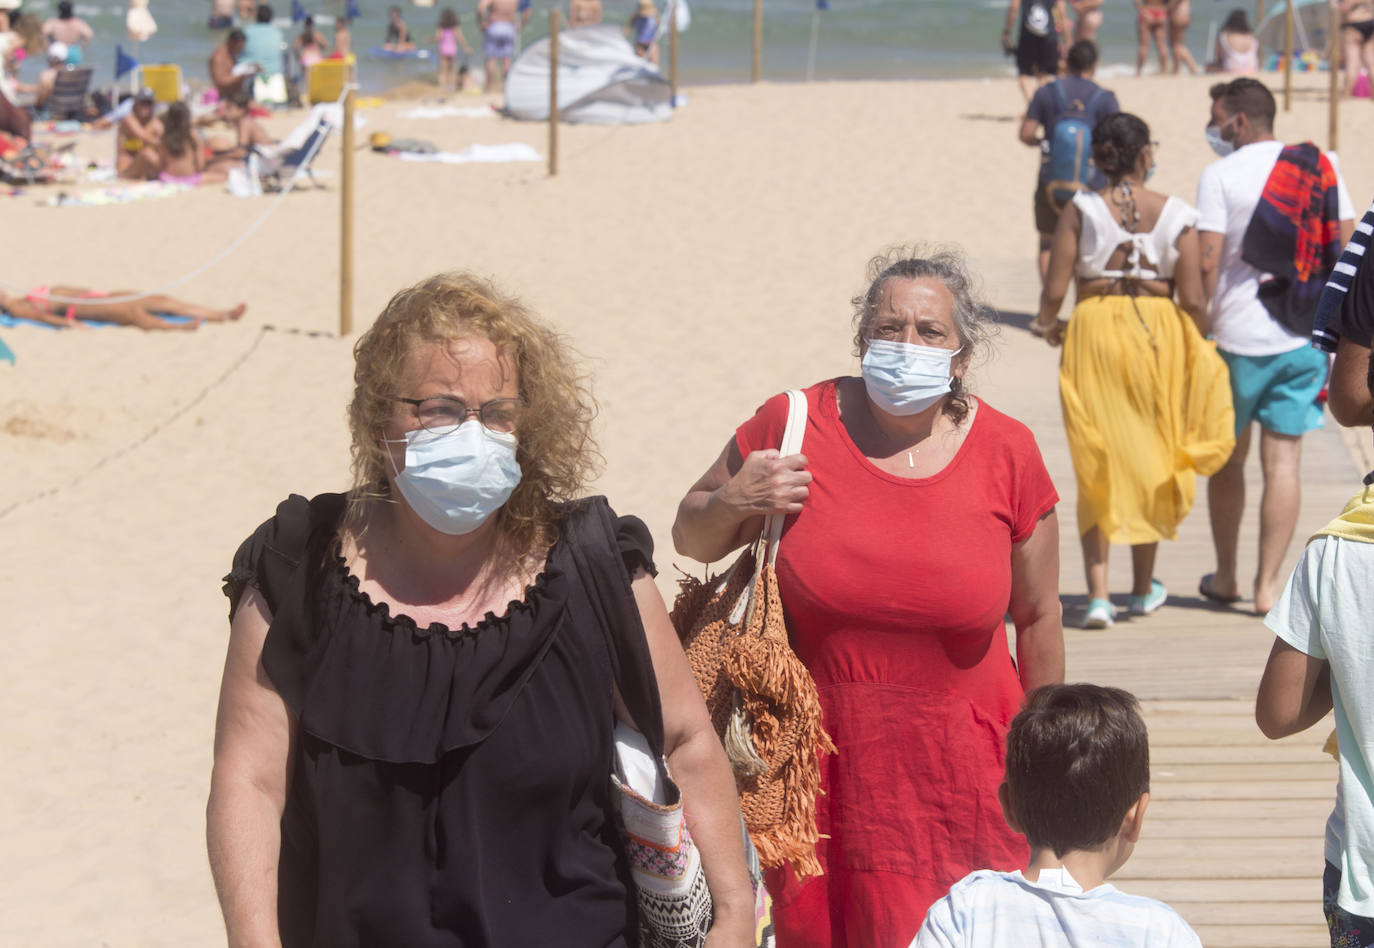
x=327 y=78
x=164 y=80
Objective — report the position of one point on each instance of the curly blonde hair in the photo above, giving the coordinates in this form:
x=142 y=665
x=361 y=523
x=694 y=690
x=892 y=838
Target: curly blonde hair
x=554 y=446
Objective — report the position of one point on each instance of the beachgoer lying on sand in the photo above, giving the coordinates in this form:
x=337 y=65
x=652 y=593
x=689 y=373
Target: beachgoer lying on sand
x=139 y=134
x=397 y=34
x=145 y=312
x=181 y=152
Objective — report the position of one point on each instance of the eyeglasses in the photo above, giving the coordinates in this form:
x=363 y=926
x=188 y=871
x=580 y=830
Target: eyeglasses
x=1154 y=145
x=440 y=414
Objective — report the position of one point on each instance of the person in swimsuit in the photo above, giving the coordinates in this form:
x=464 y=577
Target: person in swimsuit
x=226 y=79
x=311 y=46
x=1357 y=39
x=1152 y=21
x=1147 y=405
x=584 y=12
x=70 y=29
x=140 y=134
x=40 y=306
x=1180 y=16
x=497 y=21
x=397 y=33
x=450 y=39
x=1088 y=19
x=1237 y=50
x=181 y=151
x=237 y=132
x=1037 y=44
x=343 y=37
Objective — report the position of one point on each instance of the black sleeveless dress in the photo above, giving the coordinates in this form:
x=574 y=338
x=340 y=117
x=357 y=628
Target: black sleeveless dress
x=449 y=786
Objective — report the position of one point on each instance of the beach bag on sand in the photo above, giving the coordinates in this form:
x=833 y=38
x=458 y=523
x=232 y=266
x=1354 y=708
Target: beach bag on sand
x=1068 y=159
x=762 y=700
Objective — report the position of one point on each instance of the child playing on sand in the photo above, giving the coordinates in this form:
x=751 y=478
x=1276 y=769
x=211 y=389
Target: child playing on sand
x=146 y=312
x=450 y=40
x=1077 y=784
x=467 y=83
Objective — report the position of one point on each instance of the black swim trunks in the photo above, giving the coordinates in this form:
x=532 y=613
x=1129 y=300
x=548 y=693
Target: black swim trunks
x=1365 y=28
x=1037 y=45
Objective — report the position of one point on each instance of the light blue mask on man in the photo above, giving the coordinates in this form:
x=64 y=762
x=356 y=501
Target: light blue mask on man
x=906 y=379
x=455 y=479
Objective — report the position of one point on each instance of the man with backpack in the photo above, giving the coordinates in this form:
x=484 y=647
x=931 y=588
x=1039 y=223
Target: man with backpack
x=1059 y=121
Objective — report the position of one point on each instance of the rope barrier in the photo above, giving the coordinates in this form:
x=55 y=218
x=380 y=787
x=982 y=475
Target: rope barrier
x=215 y=261
x=178 y=413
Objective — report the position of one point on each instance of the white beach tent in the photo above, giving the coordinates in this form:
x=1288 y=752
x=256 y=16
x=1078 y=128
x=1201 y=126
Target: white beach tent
x=600 y=81
x=1311 y=26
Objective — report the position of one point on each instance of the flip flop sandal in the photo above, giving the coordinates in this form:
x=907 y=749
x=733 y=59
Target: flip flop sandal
x=1205 y=591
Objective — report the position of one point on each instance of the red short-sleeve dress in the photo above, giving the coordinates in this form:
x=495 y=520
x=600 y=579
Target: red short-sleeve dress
x=895 y=592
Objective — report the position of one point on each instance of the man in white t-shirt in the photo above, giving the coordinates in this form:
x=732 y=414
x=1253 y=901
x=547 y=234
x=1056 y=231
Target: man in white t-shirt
x=1275 y=374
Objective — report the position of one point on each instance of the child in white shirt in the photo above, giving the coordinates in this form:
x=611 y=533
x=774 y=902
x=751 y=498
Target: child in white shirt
x=1077 y=785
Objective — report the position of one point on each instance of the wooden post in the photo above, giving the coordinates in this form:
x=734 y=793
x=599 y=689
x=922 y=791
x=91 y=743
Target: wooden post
x=1333 y=63
x=1288 y=56
x=672 y=48
x=758 y=39
x=346 y=218
x=553 y=91
x=1259 y=18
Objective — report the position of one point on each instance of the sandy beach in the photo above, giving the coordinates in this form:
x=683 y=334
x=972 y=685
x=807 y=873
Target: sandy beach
x=699 y=266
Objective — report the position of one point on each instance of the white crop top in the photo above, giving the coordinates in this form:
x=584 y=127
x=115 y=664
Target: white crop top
x=1150 y=256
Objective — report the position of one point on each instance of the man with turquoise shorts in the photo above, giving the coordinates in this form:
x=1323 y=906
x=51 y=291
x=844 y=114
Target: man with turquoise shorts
x=1276 y=375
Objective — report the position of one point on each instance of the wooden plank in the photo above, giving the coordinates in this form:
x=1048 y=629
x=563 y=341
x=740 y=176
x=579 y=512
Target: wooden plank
x=1161 y=809
x=1249 y=771
x=1262 y=936
x=1181 y=892
x=1301 y=826
x=1166 y=754
x=1221 y=790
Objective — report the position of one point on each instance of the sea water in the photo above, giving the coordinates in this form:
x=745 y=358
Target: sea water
x=854 y=39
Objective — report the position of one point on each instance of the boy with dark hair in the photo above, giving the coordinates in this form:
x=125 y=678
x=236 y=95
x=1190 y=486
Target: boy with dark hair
x=1077 y=785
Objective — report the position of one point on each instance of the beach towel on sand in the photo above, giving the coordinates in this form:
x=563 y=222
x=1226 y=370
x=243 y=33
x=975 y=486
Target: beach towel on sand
x=9 y=322
x=514 y=151
x=1294 y=237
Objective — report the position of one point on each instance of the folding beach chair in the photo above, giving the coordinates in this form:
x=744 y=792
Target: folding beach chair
x=283 y=165
x=68 y=99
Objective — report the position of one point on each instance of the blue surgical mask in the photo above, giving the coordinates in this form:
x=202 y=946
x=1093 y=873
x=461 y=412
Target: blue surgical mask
x=906 y=379
x=455 y=480
x=1150 y=172
x=1220 y=145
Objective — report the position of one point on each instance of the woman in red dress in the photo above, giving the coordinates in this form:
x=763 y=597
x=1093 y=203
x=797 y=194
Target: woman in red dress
x=919 y=517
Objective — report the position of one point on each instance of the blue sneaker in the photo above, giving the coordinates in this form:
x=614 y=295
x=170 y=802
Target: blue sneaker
x=1100 y=615
x=1148 y=603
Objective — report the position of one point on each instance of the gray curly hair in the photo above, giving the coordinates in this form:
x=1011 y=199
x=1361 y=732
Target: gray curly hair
x=973 y=319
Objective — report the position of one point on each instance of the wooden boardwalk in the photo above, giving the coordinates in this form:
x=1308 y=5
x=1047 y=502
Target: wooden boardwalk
x=1233 y=835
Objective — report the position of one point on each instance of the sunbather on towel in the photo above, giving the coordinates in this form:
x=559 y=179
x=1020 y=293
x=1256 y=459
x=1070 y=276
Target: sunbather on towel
x=146 y=312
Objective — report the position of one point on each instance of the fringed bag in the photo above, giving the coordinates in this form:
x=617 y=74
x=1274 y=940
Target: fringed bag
x=762 y=700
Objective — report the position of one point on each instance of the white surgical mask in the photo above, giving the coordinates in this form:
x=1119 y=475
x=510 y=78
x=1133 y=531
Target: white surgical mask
x=1220 y=145
x=906 y=379
x=455 y=480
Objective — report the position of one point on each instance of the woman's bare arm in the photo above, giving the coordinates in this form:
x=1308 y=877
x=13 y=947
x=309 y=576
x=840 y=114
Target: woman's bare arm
x=1188 y=279
x=725 y=508
x=254 y=736
x=1294 y=693
x=1063 y=251
x=699 y=767
x=1035 y=608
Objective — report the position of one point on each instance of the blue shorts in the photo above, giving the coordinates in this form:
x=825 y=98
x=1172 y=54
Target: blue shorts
x=1279 y=391
x=1347 y=931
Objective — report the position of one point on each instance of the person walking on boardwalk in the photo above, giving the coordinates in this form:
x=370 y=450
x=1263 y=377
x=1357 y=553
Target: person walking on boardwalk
x=1145 y=398
x=1082 y=103
x=1271 y=220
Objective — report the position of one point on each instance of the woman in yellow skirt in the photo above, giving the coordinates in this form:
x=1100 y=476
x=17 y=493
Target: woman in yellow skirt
x=1147 y=403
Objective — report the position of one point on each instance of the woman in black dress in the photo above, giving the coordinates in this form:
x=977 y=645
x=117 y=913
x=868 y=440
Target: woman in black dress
x=415 y=726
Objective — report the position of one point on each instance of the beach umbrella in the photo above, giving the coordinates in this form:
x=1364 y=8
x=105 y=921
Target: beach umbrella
x=297 y=11
x=815 y=35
